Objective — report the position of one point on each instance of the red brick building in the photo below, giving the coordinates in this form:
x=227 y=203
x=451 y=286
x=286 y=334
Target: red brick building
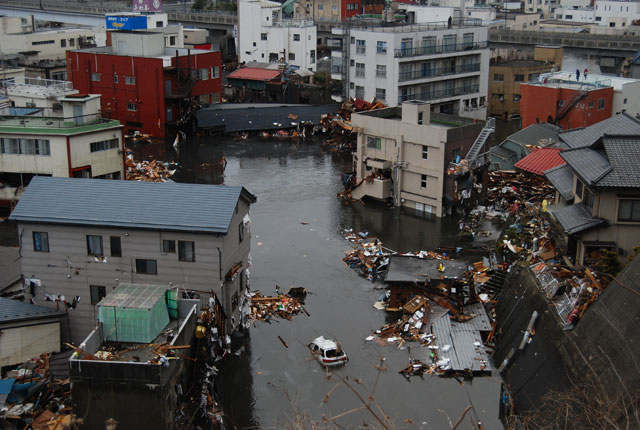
x=565 y=102
x=147 y=87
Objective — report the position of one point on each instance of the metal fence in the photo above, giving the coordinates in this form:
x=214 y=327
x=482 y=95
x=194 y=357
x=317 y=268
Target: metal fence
x=439 y=71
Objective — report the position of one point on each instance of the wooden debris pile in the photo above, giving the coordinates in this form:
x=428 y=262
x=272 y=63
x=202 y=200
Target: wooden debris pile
x=148 y=171
x=340 y=127
x=36 y=399
x=571 y=290
x=509 y=187
x=283 y=306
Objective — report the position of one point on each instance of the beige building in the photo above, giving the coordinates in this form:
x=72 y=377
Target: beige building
x=403 y=154
x=506 y=75
x=605 y=213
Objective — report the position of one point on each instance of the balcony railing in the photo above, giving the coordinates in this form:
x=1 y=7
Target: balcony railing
x=52 y=122
x=440 y=94
x=440 y=71
x=439 y=49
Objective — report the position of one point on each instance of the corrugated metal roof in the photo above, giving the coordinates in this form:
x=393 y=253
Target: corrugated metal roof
x=575 y=218
x=561 y=178
x=254 y=74
x=136 y=296
x=502 y=152
x=130 y=204
x=481 y=320
x=589 y=164
x=622 y=124
x=539 y=160
x=14 y=310
x=260 y=117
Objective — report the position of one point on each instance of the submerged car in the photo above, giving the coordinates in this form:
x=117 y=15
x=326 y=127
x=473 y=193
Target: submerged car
x=328 y=352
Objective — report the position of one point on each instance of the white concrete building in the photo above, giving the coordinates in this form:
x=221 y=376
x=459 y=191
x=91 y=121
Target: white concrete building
x=448 y=67
x=606 y=13
x=264 y=37
x=542 y=7
x=42 y=94
x=79 y=143
x=20 y=35
x=419 y=13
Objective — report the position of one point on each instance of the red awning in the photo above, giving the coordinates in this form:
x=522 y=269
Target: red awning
x=254 y=74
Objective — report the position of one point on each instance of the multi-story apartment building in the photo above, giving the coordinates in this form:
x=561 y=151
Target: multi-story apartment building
x=42 y=96
x=542 y=7
x=323 y=9
x=149 y=87
x=445 y=65
x=404 y=152
x=78 y=143
x=81 y=238
x=607 y=13
x=263 y=36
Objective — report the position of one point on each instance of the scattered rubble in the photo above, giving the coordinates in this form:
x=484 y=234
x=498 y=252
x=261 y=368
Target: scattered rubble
x=511 y=188
x=283 y=306
x=339 y=125
x=148 y=171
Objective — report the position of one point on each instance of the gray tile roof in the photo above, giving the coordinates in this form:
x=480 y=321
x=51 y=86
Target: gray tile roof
x=610 y=162
x=14 y=311
x=536 y=134
x=502 y=152
x=622 y=124
x=561 y=178
x=130 y=204
x=589 y=164
x=575 y=218
x=9 y=266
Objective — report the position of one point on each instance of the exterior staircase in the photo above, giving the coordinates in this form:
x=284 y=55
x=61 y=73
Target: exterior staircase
x=566 y=108
x=472 y=155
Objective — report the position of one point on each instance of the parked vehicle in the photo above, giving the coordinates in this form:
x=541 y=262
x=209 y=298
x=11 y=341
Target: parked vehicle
x=328 y=352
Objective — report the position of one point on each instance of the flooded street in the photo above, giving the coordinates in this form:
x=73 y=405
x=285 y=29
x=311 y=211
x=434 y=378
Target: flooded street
x=266 y=383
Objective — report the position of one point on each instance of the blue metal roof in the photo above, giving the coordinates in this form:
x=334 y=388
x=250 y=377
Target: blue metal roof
x=130 y=204
x=14 y=310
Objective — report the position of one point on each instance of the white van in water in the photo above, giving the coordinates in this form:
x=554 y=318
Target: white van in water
x=328 y=352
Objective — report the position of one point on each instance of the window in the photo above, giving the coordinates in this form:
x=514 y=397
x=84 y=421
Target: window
x=423 y=181
x=43 y=42
x=425 y=151
x=359 y=70
x=146 y=267
x=560 y=103
x=591 y=104
x=533 y=76
x=449 y=43
x=579 y=188
x=352 y=63
x=132 y=107
x=498 y=77
x=241 y=232
x=420 y=119
x=63 y=43
x=115 y=78
x=587 y=199
x=629 y=210
x=467 y=41
x=186 y=250
x=296 y=37
x=104 y=145
x=496 y=96
x=116 y=246
x=204 y=74
x=95 y=77
x=381 y=47
x=381 y=94
x=351 y=85
x=72 y=42
x=215 y=72
x=359 y=92
x=292 y=56
x=112 y=175
x=381 y=71
x=98 y=292
x=312 y=55
x=25 y=146
x=172 y=40
x=130 y=80
x=94 y=245
x=518 y=78
x=568 y=16
x=600 y=104
x=374 y=142
x=320 y=6
x=40 y=241
x=360 y=46
x=429 y=45
x=516 y=98
x=624 y=102
x=169 y=246
x=455 y=153
x=353 y=40
x=263 y=36
x=598 y=18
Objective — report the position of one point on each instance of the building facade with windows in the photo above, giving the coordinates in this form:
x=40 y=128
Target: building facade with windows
x=81 y=238
x=145 y=85
x=404 y=152
x=606 y=13
x=78 y=143
x=35 y=96
x=324 y=9
x=264 y=37
x=447 y=67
